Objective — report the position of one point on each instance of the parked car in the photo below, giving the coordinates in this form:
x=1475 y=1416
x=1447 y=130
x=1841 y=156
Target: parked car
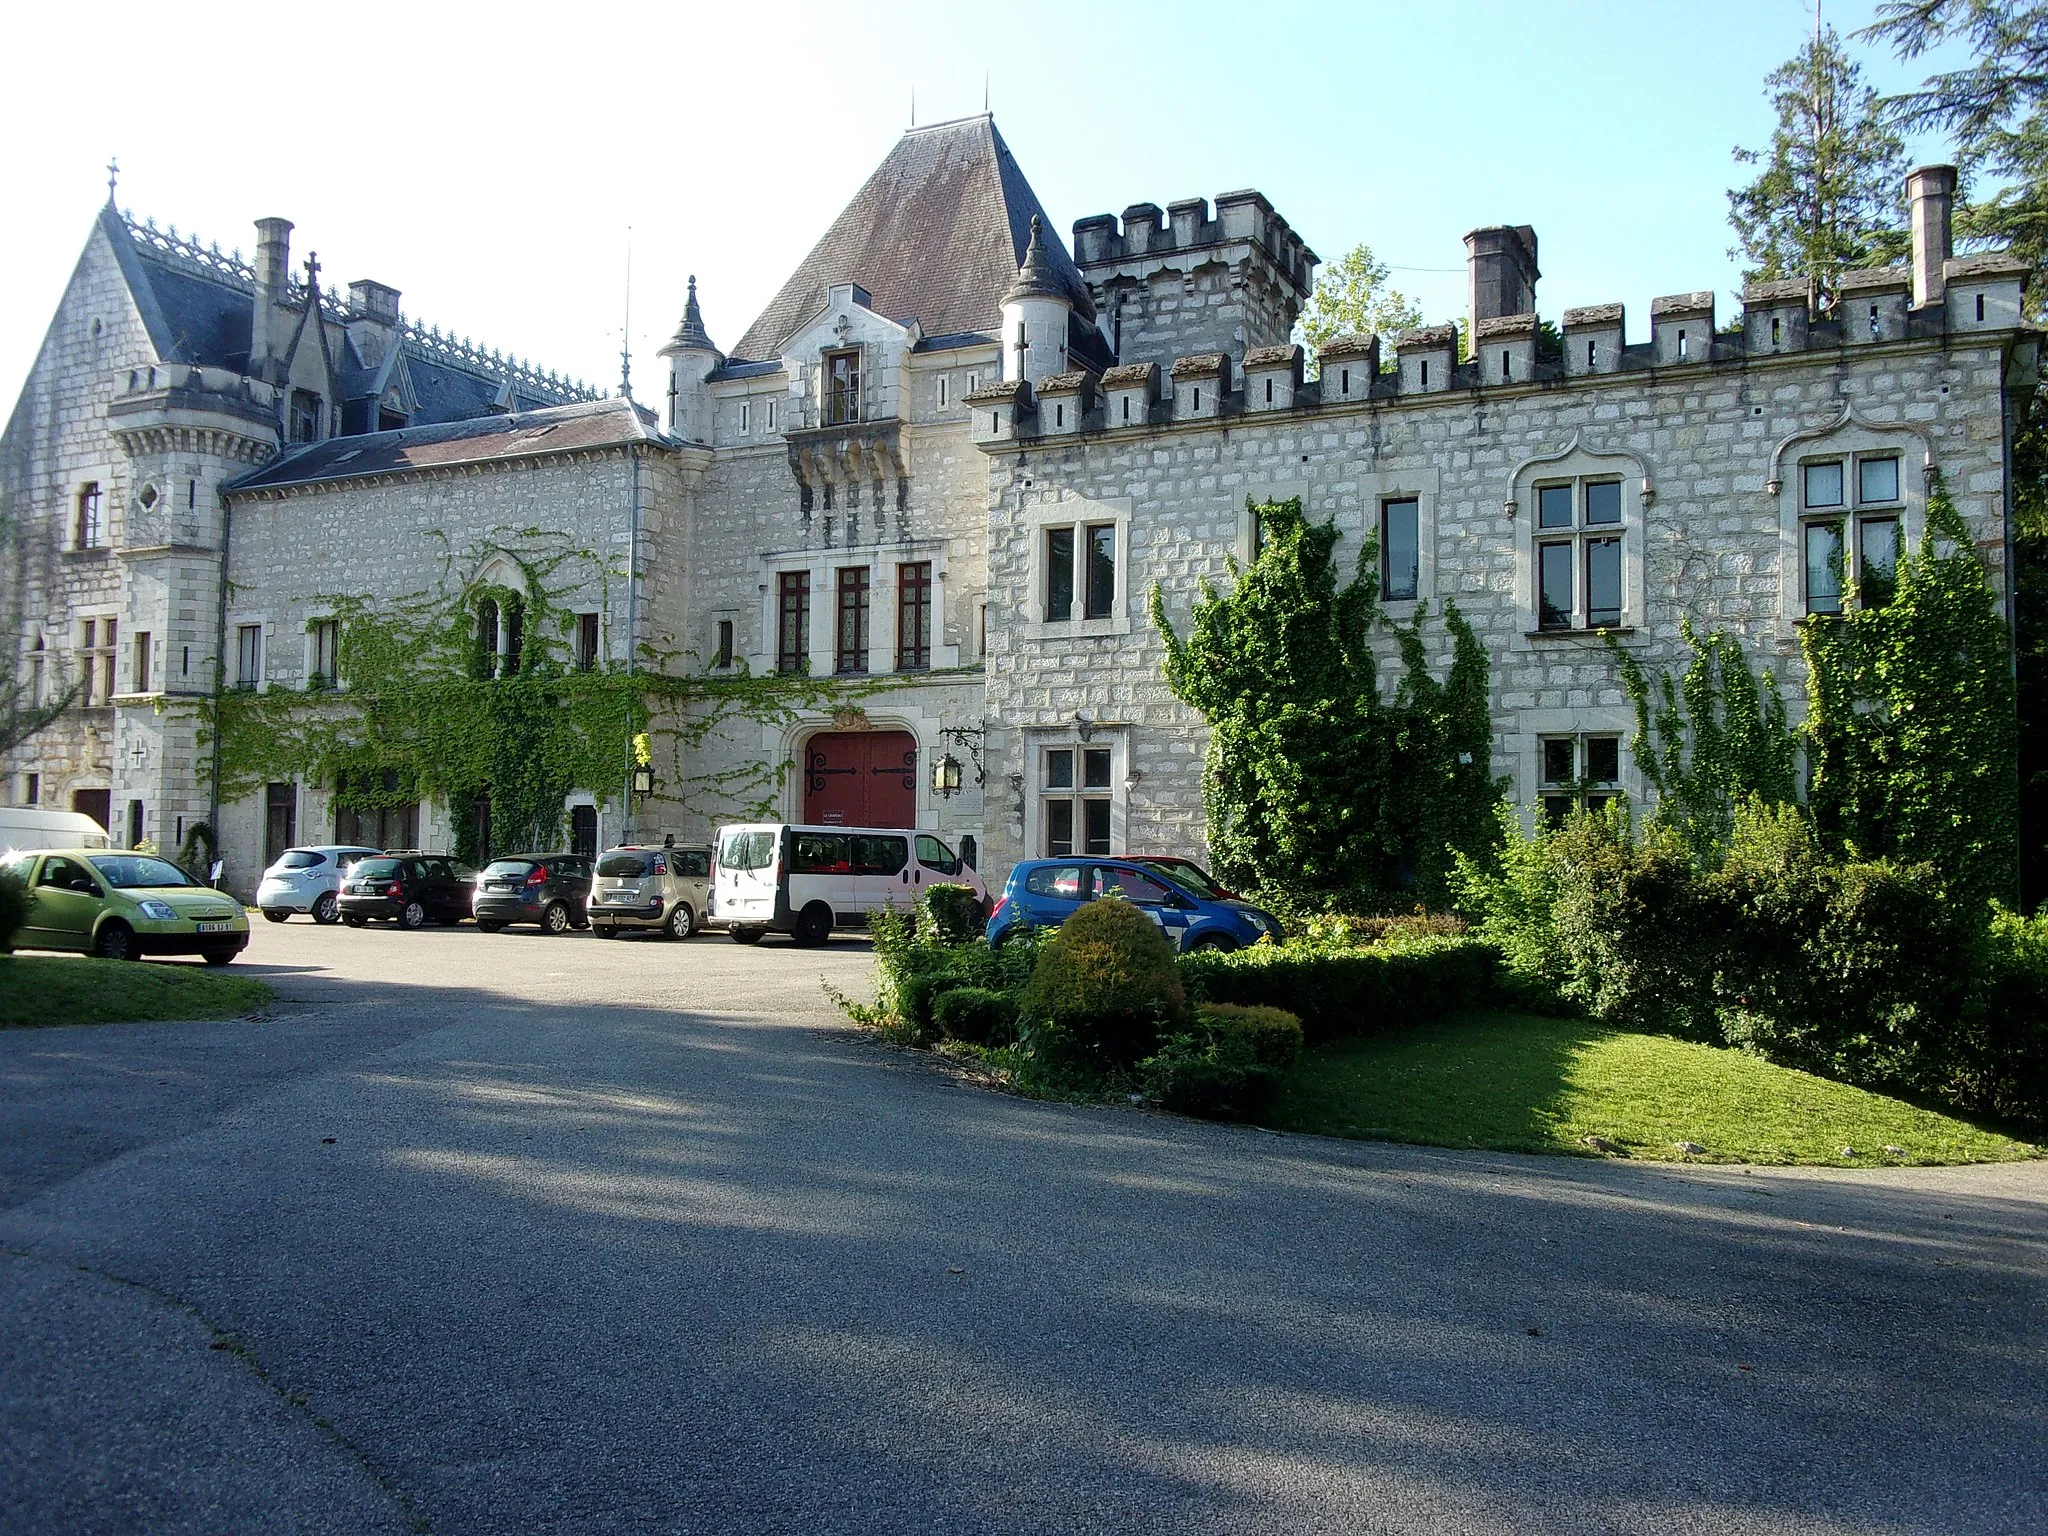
x=122 y=906
x=806 y=881
x=551 y=889
x=655 y=890
x=24 y=827
x=1043 y=893
x=1184 y=872
x=408 y=889
x=307 y=880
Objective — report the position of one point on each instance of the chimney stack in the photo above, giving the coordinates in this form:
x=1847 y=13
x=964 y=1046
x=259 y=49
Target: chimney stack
x=273 y=276
x=1931 y=194
x=1500 y=264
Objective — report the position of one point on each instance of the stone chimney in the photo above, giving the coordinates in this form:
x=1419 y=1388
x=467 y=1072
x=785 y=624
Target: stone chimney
x=373 y=318
x=273 y=277
x=1931 y=194
x=1500 y=265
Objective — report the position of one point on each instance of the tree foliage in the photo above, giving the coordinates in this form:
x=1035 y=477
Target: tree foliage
x=1352 y=298
x=1317 y=787
x=1828 y=197
x=1710 y=740
x=1995 y=109
x=1911 y=729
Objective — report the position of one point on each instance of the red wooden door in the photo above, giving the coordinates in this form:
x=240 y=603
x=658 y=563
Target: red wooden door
x=861 y=779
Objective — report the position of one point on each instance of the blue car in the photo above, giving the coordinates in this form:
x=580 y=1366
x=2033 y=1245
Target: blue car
x=1043 y=893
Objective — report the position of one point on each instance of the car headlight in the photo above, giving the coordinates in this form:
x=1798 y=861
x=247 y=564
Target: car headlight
x=161 y=911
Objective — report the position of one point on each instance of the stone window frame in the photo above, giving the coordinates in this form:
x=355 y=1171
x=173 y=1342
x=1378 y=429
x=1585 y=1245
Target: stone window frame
x=1077 y=513
x=823 y=565
x=1852 y=516
x=99 y=659
x=858 y=352
x=99 y=479
x=1578 y=463
x=1038 y=740
x=260 y=622
x=1850 y=438
x=1530 y=728
x=314 y=620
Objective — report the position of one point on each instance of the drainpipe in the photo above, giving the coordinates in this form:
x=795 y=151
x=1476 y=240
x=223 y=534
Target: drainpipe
x=220 y=672
x=632 y=625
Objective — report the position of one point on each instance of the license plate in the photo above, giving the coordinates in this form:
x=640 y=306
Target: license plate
x=215 y=927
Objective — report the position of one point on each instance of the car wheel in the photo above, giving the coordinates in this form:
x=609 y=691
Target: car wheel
x=352 y=920
x=275 y=914
x=116 y=941
x=745 y=935
x=682 y=922
x=414 y=916
x=326 y=910
x=220 y=956
x=556 y=918
x=814 y=925
x=490 y=927
x=1221 y=943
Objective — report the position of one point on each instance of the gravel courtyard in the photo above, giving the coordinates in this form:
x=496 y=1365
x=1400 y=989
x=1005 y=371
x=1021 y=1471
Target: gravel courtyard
x=509 y=1233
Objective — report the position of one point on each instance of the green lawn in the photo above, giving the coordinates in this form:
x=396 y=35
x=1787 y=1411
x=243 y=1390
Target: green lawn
x=54 y=989
x=1543 y=1085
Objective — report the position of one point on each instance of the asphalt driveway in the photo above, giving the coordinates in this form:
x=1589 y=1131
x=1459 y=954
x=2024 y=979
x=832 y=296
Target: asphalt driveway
x=517 y=1234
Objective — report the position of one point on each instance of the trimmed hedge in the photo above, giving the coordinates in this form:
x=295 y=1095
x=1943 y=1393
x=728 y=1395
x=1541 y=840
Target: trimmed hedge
x=1349 y=991
x=976 y=1015
x=1227 y=1064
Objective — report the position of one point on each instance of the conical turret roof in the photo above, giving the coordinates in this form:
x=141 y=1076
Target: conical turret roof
x=690 y=334
x=1037 y=278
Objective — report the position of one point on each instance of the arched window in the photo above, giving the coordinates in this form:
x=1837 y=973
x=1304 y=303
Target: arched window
x=485 y=651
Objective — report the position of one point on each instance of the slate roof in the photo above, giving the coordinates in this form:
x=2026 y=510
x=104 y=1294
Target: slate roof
x=198 y=306
x=585 y=425
x=936 y=235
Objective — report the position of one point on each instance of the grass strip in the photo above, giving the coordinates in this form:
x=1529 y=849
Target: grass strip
x=38 y=990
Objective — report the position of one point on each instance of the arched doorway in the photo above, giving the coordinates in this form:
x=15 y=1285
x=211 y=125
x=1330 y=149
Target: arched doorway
x=860 y=779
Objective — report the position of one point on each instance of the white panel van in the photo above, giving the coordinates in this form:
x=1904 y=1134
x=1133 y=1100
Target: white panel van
x=806 y=881
x=29 y=827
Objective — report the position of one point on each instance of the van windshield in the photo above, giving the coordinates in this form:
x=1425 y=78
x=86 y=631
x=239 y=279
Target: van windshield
x=622 y=866
x=747 y=850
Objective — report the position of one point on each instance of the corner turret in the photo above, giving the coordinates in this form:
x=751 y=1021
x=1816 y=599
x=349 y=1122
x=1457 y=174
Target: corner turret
x=1036 y=312
x=691 y=359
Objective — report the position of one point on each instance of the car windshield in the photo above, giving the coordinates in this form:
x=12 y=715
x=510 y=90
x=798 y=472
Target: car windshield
x=747 y=850
x=1189 y=875
x=513 y=868
x=301 y=858
x=379 y=869
x=138 y=871
x=622 y=866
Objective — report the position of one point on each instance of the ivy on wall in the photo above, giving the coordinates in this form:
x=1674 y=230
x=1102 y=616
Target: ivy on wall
x=431 y=704
x=1316 y=787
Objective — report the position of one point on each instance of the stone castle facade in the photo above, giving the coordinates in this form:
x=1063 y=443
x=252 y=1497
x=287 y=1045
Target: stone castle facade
x=948 y=465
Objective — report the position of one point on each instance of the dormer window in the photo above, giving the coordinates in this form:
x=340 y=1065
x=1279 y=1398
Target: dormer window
x=842 y=388
x=305 y=416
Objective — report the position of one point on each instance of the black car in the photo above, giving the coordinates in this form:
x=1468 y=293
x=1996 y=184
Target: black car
x=551 y=889
x=407 y=888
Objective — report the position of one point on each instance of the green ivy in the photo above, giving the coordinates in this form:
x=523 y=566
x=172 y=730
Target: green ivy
x=1911 y=726
x=1708 y=742
x=1317 y=788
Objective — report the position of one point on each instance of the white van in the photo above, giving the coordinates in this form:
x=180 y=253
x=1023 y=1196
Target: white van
x=807 y=881
x=26 y=827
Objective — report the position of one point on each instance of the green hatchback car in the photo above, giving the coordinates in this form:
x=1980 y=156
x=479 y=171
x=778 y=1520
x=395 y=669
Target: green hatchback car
x=122 y=906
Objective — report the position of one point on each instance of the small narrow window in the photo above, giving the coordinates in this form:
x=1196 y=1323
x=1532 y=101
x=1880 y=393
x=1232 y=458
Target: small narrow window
x=942 y=391
x=1400 y=549
x=771 y=415
x=1873 y=322
x=973 y=382
x=1777 y=327
x=586 y=642
x=1824 y=567
x=191 y=495
x=1603 y=583
x=86 y=531
x=1269 y=391
x=1198 y=397
x=724 y=643
x=326 y=653
x=1101 y=595
x=143 y=662
x=1980 y=308
x=1681 y=345
x=1344 y=381
x=1589 y=353
x=1059 y=414
x=851 y=651
x=1425 y=373
x=746 y=417
x=1505 y=365
x=1554 y=584
x=248 y=655
x=914 y=616
x=32 y=789
x=793 y=630
x=1127 y=410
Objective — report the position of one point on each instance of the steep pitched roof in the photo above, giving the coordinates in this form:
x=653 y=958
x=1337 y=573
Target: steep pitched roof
x=936 y=236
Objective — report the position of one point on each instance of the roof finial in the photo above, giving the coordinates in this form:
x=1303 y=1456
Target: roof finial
x=113 y=176
x=626 y=332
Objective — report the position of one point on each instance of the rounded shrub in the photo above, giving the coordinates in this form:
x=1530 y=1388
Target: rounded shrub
x=1103 y=990
x=1225 y=1066
x=949 y=914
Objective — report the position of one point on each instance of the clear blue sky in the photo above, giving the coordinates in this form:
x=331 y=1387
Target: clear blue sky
x=488 y=160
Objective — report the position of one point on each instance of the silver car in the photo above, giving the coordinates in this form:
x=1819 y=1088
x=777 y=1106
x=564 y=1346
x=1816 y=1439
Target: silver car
x=305 y=880
x=656 y=890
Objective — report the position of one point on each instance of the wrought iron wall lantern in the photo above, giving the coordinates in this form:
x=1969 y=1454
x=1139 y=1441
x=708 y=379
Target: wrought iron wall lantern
x=946 y=776
x=643 y=780
x=968 y=738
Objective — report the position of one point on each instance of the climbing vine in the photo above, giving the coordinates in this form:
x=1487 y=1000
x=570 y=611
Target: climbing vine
x=468 y=689
x=1316 y=787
